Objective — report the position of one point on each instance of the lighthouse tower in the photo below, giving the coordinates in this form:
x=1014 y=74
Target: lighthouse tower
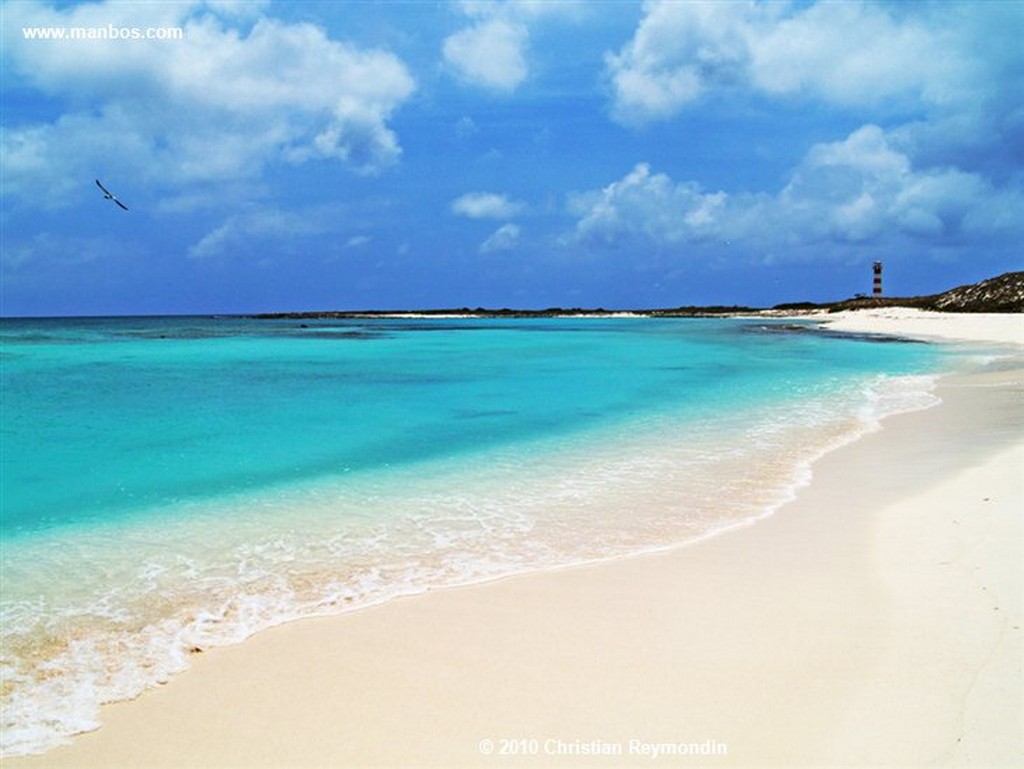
x=876 y=286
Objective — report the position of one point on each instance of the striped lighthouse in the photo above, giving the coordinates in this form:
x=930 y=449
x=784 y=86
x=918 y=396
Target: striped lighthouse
x=876 y=286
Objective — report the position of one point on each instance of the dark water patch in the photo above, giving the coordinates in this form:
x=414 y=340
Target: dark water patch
x=778 y=328
x=336 y=334
x=485 y=414
x=33 y=338
x=184 y=334
x=818 y=330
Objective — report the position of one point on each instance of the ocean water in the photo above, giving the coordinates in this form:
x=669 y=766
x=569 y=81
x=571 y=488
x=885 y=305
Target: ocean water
x=170 y=484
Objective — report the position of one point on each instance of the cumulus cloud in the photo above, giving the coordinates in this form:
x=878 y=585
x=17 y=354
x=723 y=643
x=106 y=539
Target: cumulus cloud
x=857 y=54
x=864 y=187
x=492 y=52
x=490 y=205
x=504 y=238
x=859 y=190
x=486 y=205
x=853 y=54
x=648 y=206
x=678 y=50
x=218 y=105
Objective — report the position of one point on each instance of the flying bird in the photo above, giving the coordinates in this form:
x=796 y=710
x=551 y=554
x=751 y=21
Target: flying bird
x=107 y=194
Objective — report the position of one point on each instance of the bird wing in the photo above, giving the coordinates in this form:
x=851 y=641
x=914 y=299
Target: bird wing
x=105 y=190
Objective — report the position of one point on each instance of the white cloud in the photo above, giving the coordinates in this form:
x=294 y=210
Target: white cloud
x=486 y=205
x=218 y=105
x=358 y=241
x=489 y=205
x=863 y=188
x=650 y=207
x=849 y=53
x=678 y=50
x=239 y=230
x=858 y=54
x=58 y=156
x=858 y=190
x=490 y=53
x=505 y=238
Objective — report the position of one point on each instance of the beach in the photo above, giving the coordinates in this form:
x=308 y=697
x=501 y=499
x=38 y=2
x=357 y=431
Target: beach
x=1000 y=328
x=875 y=620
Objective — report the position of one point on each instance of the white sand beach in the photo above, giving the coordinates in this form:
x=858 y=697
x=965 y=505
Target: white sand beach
x=1003 y=328
x=874 y=621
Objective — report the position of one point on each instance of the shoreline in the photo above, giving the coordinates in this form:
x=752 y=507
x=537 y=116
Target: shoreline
x=781 y=640
x=984 y=328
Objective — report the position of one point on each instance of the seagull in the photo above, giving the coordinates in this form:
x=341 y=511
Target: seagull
x=107 y=194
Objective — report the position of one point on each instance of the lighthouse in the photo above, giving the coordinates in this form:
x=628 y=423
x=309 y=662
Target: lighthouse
x=876 y=286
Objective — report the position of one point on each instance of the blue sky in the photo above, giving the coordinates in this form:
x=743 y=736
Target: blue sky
x=358 y=155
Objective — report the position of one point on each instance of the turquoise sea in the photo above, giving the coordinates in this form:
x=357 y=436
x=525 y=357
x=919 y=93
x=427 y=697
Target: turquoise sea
x=170 y=484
